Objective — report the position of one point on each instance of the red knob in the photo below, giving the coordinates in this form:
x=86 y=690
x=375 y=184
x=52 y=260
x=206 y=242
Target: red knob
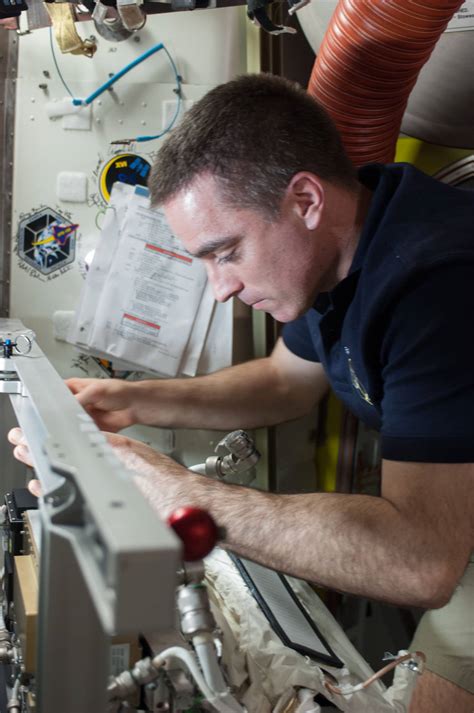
x=197 y=531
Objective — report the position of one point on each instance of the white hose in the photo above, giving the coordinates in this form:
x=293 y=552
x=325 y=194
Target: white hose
x=207 y=657
x=222 y=701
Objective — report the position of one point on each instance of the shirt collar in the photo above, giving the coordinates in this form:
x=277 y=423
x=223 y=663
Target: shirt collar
x=340 y=296
x=374 y=177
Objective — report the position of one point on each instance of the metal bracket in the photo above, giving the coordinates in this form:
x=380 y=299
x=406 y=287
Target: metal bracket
x=108 y=564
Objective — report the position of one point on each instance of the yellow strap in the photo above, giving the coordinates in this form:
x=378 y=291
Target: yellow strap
x=64 y=26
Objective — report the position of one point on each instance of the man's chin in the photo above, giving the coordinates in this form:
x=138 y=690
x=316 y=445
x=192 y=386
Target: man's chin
x=278 y=312
x=284 y=315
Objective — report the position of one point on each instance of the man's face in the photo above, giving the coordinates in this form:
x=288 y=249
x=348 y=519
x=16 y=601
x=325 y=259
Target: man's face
x=269 y=266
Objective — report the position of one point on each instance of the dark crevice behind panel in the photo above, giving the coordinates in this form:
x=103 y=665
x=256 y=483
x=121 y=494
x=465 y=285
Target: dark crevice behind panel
x=8 y=71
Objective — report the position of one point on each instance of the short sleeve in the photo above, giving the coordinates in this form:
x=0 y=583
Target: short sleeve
x=428 y=369
x=297 y=338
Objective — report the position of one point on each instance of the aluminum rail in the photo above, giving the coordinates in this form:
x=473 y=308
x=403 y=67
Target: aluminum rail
x=108 y=564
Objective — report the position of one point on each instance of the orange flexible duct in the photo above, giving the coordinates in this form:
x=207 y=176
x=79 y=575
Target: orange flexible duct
x=367 y=65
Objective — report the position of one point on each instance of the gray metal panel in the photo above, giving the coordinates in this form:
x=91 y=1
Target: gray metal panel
x=108 y=563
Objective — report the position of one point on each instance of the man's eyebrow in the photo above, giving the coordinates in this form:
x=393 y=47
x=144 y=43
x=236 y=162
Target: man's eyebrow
x=213 y=246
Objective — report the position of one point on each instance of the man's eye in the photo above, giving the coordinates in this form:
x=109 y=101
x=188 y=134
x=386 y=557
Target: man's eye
x=228 y=257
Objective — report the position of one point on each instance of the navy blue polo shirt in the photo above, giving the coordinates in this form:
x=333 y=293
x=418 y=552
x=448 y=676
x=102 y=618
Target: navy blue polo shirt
x=396 y=336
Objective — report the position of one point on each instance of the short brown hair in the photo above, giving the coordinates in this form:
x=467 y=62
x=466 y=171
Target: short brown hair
x=253 y=134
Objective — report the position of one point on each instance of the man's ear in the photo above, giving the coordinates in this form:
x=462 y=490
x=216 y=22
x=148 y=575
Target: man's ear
x=305 y=193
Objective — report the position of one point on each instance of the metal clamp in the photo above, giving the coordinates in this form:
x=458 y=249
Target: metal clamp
x=236 y=455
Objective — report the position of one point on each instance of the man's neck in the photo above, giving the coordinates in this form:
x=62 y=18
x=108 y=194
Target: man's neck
x=345 y=216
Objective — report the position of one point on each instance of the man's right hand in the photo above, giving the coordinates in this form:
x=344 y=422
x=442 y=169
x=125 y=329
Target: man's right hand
x=108 y=401
x=261 y=392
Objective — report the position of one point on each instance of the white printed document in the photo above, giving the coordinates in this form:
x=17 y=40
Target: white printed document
x=145 y=302
x=108 y=242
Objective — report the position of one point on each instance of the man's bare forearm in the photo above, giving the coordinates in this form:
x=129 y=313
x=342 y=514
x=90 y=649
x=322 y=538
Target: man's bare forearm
x=258 y=393
x=353 y=543
x=248 y=395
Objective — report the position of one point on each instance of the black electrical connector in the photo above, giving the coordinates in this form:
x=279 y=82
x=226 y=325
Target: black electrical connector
x=17 y=502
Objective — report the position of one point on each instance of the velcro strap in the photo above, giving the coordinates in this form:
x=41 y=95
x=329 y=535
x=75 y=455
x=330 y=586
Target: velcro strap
x=64 y=26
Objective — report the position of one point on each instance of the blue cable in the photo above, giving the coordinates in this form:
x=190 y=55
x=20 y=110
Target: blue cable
x=118 y=75
x=140 y=139
x=57 y=65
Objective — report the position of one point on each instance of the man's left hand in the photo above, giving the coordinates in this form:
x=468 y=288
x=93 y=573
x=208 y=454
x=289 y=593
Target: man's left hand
x=156 y=474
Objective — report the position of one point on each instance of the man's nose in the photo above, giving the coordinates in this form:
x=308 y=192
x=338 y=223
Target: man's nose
x=224 y=286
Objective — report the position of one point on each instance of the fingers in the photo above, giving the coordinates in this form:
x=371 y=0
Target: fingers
x=22 y=454
x=95 y=396
x=105 y=400
x=21 y=451
x=88 y=391
x=90 y=395
x=76 y=385
x=85 y=389
x=34 y=487
x=15 y=436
